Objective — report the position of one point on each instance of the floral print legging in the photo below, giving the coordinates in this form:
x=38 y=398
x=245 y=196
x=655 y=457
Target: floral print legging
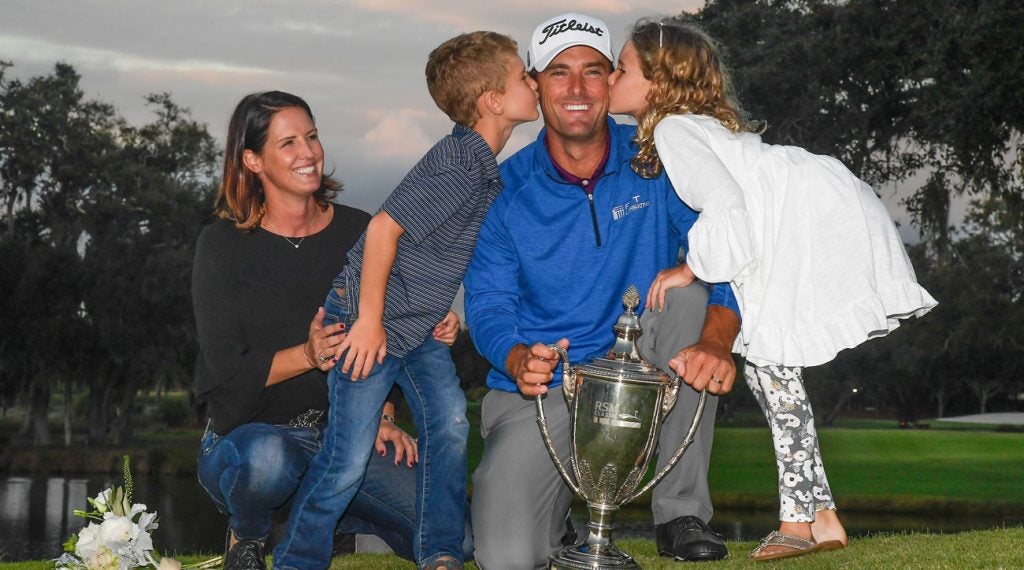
x=803 y=487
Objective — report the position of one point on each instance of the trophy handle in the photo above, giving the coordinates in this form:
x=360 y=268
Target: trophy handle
x=542 y=421
x=697 y=415
x=671 y=393
x=568 y=378
x=569 y=391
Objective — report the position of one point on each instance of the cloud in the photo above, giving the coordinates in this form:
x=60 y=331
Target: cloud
x=463 y=15
x=359 y=63
x=313 y=28
x=30 y=49
x=397 y=134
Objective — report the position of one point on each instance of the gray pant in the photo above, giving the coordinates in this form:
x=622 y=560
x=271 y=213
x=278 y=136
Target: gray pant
x=520 y=502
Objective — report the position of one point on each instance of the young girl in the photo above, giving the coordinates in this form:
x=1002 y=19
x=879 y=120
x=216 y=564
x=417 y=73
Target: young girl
x=812 y=254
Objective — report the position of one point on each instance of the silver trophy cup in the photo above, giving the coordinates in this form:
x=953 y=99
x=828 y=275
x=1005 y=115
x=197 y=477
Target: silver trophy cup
x=616 y=407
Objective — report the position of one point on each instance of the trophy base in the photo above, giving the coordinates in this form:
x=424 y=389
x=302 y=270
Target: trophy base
x=581 y=558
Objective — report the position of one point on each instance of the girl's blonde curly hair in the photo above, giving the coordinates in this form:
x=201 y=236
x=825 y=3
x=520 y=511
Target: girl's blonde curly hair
x=687 y=76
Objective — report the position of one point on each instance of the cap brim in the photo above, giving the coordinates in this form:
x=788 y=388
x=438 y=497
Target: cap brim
x=543 y=63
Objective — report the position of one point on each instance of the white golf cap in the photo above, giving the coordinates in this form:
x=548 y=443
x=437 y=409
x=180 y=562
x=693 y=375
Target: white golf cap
x=563 y=32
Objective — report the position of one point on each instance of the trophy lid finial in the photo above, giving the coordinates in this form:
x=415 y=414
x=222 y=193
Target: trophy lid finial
x=627 y=329
x=623 y=362
x=631 y=299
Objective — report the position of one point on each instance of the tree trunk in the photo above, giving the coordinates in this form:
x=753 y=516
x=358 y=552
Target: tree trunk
x=985 y=391
x=39 y=407
x=123 y=426
x=98 y=412
x=9 y=216
x=940 y=397
x=67 y=413
x=845 y=393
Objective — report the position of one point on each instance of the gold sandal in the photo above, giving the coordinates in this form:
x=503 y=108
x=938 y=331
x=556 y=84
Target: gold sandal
x=794 y=546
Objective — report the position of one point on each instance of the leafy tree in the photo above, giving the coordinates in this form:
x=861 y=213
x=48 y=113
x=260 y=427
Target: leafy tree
x=101 y=218
x=54 y=146
x=892 y=87
x=138 y=259
x=897 y=89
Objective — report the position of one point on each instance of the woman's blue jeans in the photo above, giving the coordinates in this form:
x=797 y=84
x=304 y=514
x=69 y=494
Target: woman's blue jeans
x=438 y=405
x=256 y=468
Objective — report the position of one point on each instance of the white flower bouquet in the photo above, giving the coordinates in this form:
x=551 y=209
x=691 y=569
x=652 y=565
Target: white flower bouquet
x=117 y=536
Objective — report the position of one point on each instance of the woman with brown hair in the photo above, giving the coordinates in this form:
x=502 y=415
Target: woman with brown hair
x=260 y=275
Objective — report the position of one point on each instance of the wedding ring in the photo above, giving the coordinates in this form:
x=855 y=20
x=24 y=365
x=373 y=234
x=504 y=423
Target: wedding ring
x=717 y=380
x=323 y=359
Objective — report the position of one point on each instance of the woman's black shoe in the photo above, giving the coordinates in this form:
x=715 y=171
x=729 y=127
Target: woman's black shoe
x=344 y=544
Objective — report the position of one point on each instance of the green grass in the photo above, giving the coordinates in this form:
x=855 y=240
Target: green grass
x=900 y=470
x=927 y=470
x=982 y=549
x=942 y=424
x=1000 y=548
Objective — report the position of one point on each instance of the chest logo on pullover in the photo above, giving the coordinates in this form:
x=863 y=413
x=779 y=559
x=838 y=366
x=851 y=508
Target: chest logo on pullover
x=630 y=207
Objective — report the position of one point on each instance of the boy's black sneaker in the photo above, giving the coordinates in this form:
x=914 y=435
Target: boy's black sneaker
x=244 y=555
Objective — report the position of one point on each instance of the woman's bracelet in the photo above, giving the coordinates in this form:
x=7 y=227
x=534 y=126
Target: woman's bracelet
x=387 y=418
x=309 y=360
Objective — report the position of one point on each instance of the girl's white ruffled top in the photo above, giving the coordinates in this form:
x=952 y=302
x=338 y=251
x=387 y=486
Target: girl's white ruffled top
x=810 y=251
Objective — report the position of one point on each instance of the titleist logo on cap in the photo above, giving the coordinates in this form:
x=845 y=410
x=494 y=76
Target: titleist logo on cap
x=555 y=28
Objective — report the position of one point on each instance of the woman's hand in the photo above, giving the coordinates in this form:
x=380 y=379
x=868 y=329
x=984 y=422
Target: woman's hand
x=405 y=445
x=678 y=276
x=447 y=330
x=322 y=342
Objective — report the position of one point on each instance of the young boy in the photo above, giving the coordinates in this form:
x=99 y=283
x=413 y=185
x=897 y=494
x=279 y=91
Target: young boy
x=400 y=280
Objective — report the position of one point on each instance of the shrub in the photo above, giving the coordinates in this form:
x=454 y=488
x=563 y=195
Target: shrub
x=173 y=412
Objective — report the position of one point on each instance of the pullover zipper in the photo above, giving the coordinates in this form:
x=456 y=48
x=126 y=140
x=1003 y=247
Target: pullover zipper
x=593 y=218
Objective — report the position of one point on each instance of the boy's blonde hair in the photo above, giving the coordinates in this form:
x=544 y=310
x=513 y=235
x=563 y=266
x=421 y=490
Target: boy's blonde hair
x=466 y=66
x=687 y=76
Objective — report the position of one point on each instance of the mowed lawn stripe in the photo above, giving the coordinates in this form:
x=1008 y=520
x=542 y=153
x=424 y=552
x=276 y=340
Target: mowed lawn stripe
x=914 y=464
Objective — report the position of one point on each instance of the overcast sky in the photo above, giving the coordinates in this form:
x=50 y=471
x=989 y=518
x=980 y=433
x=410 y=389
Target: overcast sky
x=359 y=63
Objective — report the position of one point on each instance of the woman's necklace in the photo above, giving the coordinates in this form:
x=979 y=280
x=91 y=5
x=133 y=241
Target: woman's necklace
x=295 y=244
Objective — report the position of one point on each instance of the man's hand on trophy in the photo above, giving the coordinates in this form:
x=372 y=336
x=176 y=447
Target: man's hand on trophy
x=532 y=366
x=709 y=364
x=705 y=365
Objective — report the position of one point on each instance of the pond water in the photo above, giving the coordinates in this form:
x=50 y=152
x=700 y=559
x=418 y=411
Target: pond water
x=36 y=516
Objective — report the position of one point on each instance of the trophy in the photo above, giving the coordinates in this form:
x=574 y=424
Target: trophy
x=616 y=407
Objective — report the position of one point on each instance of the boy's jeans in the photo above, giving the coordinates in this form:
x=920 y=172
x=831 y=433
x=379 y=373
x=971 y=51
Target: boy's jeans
x=431 y=388
x=253 y=471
